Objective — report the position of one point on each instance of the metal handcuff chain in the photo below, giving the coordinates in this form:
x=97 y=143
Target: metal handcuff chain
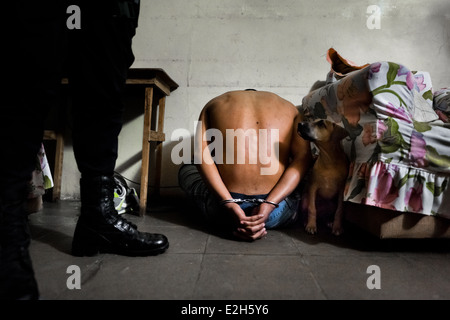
x=259 y=201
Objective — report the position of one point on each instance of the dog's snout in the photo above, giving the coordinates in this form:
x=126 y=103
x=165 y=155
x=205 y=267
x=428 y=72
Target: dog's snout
x=303 y=127
x=303 y=130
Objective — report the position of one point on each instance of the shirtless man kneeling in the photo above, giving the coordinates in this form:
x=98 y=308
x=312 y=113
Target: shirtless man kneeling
x=249 y=161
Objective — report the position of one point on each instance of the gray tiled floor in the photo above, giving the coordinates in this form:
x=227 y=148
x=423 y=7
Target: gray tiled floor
x=201 y=265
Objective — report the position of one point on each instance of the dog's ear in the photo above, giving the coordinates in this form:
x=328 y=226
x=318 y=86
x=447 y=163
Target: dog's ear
x=318 y=84
x=339 y=132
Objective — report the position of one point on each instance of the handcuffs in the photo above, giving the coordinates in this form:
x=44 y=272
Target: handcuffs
x=258 y=201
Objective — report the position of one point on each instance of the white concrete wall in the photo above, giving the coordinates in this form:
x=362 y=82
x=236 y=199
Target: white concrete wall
x=212 y=46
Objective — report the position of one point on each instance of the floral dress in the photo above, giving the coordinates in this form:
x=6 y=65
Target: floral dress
x=399 y=135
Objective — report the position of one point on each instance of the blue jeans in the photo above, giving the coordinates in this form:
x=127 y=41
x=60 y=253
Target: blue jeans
x=193 y=185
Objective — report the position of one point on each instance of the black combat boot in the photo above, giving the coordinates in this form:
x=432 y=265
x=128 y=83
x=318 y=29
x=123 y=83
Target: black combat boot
x=100 y=229
x=17 y=281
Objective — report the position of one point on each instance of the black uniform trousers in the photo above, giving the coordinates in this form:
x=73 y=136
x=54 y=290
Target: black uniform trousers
x=39 y=49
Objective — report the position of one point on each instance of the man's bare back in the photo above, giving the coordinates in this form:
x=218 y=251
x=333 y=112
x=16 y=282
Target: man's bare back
x=249 y=152
x=267 y=122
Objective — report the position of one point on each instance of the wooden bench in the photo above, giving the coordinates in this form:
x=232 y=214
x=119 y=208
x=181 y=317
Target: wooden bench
x=157 y=86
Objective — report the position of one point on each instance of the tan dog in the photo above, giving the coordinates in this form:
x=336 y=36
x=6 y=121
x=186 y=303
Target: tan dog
x=330 y=170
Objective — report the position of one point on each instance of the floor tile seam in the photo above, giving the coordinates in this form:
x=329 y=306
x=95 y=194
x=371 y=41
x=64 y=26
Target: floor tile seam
x=316 y=281
x=234 y=254
x=200 y=270
x=297 y=254
x=254 y=254
x=344 y=255
x=296 y=246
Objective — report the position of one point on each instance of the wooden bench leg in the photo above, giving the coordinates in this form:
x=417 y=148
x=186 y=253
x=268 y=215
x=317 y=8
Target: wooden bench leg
x=145 y=151
x=59 y=155
x=162 y=108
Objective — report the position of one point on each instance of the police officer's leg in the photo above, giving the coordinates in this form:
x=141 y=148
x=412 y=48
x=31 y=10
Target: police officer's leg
x=32 y=60
x=100 y=55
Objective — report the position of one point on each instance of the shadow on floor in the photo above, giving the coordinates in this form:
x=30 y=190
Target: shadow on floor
x=183 y=212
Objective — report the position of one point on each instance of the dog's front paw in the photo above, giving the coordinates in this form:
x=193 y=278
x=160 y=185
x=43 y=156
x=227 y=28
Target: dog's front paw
x=337 y=230
x=311 y=228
